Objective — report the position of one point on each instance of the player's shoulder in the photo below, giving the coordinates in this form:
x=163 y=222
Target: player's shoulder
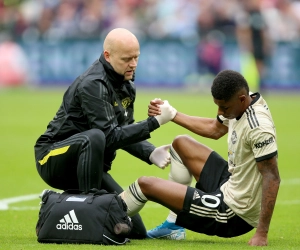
x=258 y=102
x=258 y=111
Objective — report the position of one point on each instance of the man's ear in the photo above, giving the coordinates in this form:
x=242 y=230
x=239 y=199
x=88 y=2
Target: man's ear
x=242 y=98
x=106 y=55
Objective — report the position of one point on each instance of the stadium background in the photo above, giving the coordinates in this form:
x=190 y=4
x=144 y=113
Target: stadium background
x=45 y=44
x=184 y=43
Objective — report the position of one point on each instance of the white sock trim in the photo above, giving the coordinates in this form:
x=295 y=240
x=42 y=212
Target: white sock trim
x=134 y=198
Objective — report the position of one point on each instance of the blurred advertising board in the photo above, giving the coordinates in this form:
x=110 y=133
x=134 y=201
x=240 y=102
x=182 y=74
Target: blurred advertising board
x=162 y=63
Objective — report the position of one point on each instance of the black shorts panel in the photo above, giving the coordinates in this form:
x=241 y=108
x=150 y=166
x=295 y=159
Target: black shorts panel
x=207 y=213
x=214 y=173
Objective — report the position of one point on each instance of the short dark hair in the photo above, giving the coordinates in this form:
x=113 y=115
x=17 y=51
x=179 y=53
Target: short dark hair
x=227 y=83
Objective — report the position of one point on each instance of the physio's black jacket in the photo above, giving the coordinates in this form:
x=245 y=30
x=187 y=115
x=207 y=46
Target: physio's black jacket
x=100 y=98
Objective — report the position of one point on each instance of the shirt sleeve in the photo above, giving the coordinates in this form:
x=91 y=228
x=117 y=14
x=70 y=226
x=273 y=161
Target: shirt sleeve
x=263 y=142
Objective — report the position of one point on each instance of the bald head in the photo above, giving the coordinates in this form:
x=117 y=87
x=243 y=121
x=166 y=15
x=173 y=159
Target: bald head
x=121 y=49
x=119 y=37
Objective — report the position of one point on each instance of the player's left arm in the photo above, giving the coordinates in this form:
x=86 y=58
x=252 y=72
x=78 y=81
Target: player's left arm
x=270 y=186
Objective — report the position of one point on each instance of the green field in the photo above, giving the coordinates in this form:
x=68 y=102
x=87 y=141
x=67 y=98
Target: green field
x=24 y=114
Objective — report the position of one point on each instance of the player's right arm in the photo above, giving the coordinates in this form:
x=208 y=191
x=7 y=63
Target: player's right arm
x=206 y=127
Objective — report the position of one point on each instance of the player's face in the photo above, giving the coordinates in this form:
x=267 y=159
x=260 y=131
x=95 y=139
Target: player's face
x=230 y=109
x=124 y=60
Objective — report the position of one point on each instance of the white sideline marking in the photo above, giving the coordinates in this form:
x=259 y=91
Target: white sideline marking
x=24 y=208
x=4 y=203
x=295 y=181
x=290 y=202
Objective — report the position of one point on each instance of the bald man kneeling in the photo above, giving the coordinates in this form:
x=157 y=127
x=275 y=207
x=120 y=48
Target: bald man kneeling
x=96 y=119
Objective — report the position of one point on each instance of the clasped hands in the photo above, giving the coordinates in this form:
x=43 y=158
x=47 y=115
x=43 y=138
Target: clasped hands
x=163 y=112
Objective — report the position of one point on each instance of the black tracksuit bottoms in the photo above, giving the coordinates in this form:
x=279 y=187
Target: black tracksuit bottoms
x=77 y=163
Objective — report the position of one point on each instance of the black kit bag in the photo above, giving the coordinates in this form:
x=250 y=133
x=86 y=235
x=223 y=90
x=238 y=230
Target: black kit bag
x=96 y=217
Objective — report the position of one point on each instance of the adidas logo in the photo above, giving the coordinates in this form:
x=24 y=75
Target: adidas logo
x=196 y=195
x=69 y=222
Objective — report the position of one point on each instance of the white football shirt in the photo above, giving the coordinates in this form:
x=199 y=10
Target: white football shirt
x=251 y=138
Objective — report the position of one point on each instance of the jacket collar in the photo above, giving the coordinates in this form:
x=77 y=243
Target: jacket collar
x=115 y=79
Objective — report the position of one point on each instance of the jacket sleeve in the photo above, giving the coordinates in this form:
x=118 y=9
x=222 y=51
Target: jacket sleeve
x=97 y=107
x=141 y=150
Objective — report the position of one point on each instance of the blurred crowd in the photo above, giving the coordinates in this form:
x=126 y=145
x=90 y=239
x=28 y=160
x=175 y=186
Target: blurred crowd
x=185 y=19
x=255 y=25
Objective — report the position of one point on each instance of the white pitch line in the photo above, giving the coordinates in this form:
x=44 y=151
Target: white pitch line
x=288 y=182
x=290 y=202
x=4 y=203
x=27 y=208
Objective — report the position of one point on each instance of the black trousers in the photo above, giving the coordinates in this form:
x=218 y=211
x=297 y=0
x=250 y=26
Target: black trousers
x=77 y=163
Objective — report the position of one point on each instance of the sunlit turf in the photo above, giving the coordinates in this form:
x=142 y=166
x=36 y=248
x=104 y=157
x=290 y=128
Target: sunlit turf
x=25 y=113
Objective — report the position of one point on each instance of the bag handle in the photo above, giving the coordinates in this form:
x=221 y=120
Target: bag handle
x=67 y=192
x=96 y=192
x=93 y=192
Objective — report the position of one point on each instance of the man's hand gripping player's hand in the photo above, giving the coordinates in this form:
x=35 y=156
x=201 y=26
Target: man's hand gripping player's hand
x=161 y=110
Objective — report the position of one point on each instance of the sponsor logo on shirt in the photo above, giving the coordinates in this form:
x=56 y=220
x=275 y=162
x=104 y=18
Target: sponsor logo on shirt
x=264 y=143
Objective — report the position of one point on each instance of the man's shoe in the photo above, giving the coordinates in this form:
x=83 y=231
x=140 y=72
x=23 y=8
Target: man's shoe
x=167 y=230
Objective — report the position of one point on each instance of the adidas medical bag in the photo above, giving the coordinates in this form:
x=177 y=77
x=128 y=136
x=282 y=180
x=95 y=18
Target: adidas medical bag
x=96 y=217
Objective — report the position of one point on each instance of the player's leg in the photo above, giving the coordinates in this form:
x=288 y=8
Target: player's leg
x=197 y=210
x=167 y=193
x=75 y=163
x=192 y=154
x=188 y=157
x=138 y=231
x=164 y=192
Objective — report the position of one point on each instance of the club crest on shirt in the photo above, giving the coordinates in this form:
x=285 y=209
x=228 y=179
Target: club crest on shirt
x=126 y=102
x=233 y=137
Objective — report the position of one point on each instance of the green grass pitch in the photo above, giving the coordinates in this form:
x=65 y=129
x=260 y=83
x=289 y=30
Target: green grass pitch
x=24 y=114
